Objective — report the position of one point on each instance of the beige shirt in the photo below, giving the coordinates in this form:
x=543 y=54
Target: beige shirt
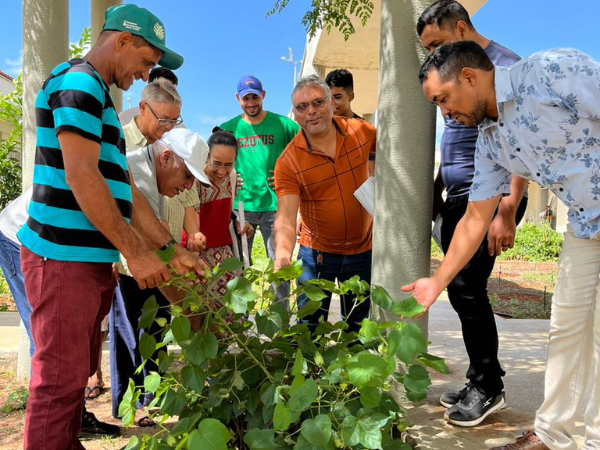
x=174 y=207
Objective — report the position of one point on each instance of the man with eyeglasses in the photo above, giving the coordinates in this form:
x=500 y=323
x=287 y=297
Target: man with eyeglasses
x=318 y=173
x=262 y=136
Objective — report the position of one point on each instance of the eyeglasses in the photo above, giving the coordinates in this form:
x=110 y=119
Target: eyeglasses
x=217 y=165
x=317 y=103
x=165 y=122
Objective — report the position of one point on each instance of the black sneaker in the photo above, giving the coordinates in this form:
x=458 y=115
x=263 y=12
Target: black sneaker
x=93 y=428
x=474 y=408
x=449 y=399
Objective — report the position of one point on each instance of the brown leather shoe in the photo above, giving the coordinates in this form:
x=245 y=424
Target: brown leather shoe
x=529 y=441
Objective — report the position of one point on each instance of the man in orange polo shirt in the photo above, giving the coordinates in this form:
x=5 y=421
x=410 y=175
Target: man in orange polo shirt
x=318 y=172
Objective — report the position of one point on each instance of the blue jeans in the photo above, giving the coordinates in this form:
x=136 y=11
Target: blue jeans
x=264 y=222
x=10 y=261
x=329 y=266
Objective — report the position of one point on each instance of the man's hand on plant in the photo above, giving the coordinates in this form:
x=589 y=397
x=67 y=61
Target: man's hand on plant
x=184 y=261
x=425 y=291
x=248 y=229
x=271 y=179
x=282 y=262
x=147 y=269
x=196 y=242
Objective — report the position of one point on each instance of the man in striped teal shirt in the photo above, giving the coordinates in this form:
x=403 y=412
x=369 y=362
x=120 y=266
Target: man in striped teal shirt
x=83 y=212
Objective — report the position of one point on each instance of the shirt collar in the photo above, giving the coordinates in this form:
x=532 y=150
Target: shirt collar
x=504 y=93
x=340 y=125
x=136 y=134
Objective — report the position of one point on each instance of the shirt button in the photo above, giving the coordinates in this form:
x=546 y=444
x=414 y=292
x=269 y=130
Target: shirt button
x=538 y=174
x=501 y=124
x=561 y=189
x=518 y=149
x=581 y=209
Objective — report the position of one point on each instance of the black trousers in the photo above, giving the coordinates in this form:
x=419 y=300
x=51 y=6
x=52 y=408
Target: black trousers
x=469 y=298
x=124 y=337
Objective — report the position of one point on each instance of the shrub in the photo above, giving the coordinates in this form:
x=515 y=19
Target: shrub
x=268 y=384
x=535 y=242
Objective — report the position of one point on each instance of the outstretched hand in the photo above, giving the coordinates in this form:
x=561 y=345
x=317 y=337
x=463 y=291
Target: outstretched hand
x=425 y=291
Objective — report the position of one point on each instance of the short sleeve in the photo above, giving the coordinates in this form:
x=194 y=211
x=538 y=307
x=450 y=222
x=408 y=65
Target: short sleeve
x=77 y=100
x=286 y=182
x=490 y=178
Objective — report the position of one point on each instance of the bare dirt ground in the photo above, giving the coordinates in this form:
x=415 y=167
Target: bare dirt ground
x=515 y=288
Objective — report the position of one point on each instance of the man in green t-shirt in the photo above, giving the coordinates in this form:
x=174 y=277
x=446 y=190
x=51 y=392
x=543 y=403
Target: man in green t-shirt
x=261 y=136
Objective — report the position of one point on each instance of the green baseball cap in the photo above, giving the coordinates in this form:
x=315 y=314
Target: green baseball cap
x=142 y=23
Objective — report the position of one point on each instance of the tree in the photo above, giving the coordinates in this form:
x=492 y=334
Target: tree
x=11 y=111
x=328 y=14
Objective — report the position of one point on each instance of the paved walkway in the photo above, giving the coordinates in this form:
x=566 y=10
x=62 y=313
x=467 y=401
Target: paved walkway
x=522 y=353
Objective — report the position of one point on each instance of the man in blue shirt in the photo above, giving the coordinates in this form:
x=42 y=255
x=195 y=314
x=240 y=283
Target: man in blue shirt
x=539 y=119
x=443 y=22
x=83 y=212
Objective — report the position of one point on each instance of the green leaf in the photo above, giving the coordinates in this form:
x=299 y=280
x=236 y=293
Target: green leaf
x=147 y=346
x=257 y=439
x=151 y=382
x=368 y=370
x=317 y=431
x=166 y=255
x=381 y=298
x=133 y=444
x=232 y=265
x=269 y=324
x=364 y=429
x=211 y=435
x=299 y=365
x=370 y=397
x=239 y=294
x=182 y=329
x=309 y=308
x=173 y=402
x=193 y=377
x=411 y=343
x=149 y=311
x=393 y=340
x=202 y=347
x=161 y=321
x=302 y=398
x=434 y=362
x=369 y=330
x=303 y=444
x=282 y=418
x=416 y=382
x=407 y=308
x=164 y=361
x=313 y=292
x=268 y=394
x=290 y=272
x=356 y=285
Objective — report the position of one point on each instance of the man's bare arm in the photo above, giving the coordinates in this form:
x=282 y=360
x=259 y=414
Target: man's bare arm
x=81 y=156
x=501 y=235
x=285 y=229
x=466 y=239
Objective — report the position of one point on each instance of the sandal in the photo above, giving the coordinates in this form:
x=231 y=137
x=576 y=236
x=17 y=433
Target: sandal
x=145 y=421
x=92 y=392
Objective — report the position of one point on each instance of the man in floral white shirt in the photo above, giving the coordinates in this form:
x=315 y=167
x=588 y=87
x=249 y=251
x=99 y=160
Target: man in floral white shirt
x=539 y=119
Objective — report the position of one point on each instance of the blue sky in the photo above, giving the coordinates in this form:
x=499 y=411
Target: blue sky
x=230 y=38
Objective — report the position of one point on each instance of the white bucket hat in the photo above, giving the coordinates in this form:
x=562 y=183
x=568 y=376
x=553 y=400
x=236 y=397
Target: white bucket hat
x=190 y=147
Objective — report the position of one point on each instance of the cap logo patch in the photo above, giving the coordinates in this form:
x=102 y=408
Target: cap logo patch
x=131 y=25
x=159 y=31
x=249 y=82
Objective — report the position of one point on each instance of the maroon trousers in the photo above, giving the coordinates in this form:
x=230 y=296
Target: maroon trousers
x=69 y=301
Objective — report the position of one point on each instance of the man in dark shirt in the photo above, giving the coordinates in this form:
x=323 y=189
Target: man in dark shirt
x=443 y=22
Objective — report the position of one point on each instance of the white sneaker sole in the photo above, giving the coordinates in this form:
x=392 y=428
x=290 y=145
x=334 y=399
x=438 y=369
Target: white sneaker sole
x=475 y=422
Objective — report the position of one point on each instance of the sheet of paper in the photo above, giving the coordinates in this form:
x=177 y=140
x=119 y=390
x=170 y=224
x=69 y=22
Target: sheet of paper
x=365 y=194
x=242 y=219
x=436 y=233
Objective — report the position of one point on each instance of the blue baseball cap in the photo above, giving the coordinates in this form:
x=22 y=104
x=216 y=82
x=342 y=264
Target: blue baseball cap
x=249 y=85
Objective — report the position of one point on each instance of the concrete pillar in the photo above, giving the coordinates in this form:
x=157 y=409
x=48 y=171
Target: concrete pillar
x=405 y=156
x=45 y=45
x=98 y=8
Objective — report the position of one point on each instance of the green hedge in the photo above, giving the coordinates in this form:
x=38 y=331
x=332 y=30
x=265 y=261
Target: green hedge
x=535 y=242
